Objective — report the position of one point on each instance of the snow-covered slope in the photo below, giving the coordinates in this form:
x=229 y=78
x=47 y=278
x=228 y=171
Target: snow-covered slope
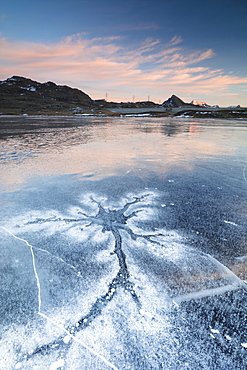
x=200 y=103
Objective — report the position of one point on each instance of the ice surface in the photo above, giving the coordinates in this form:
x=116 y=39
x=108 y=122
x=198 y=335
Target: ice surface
x=186 y=274
x=129 y=271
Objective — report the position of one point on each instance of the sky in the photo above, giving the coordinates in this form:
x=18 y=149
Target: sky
x=130 y=50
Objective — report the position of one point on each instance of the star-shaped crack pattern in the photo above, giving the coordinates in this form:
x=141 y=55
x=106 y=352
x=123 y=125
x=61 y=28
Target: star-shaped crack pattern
x=110 y=220
x=120 y=223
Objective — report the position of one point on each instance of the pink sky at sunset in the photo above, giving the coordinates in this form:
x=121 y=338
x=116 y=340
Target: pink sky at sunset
x=155 y=50
x=99 y=66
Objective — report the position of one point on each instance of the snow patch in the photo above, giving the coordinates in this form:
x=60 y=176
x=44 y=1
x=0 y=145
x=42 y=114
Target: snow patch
x=29 y=88
x=215 y=331
x=66 y=339
x=57 y=364
x=137 y=115
x=184 y=116
x=230 y=223
x=145 y=313
x=200 y=103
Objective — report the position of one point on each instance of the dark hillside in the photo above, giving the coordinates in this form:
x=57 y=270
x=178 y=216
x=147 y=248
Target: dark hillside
x=23 y=95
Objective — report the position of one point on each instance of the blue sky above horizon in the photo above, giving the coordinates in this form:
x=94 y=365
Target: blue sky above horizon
x=196 y=50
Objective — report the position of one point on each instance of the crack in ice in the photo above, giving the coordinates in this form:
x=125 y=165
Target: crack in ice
x=112 y=221
x=235 y=284
x=115 y=222
x=47 y=317
x=78 y=273
x=33 y=262
x=244 y=176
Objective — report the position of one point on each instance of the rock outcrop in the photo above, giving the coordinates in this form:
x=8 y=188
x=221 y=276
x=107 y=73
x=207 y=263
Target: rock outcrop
x=174 y=101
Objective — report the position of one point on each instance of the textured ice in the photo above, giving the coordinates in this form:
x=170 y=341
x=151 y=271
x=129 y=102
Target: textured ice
x=57 y=364
x=128 y=279
x=122 y=265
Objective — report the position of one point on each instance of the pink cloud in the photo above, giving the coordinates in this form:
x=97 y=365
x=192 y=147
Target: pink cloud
x=175 y=40
x=103 y=64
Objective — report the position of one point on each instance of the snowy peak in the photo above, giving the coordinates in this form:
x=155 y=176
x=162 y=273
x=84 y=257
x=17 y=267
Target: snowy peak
x=175 y=101
x=200 y=103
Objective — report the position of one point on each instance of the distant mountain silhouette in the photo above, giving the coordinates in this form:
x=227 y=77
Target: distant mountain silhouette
x=20 y=95
x=174 y=101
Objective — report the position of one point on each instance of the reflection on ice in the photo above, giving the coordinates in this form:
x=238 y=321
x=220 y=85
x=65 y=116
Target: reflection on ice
x=91 y=148
x=127 y=277
x=115 y=237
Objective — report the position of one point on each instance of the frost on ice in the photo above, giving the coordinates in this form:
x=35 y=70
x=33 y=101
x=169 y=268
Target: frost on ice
x=103 y=279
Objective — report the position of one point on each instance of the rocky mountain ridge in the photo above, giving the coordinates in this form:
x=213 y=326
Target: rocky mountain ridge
x=20 y=95
x=174 y=101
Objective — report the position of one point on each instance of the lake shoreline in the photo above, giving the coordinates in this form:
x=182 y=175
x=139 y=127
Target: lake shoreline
x=181 y=112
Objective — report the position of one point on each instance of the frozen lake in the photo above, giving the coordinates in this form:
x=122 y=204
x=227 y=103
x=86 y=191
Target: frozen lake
x=123 y=243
